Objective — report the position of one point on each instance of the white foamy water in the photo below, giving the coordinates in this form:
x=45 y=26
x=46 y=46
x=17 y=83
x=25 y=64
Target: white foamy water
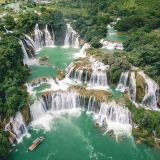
x=115 y=117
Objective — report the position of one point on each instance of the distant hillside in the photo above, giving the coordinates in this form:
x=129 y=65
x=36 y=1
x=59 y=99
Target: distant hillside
x=139 y=5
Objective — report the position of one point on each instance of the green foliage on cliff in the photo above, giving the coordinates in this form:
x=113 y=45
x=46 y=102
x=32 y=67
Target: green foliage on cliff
x=148 y=121
x=144 y=52
x=26 y=22
x=92 y=28
x=121 y=64
x=12 y=75
x=4 y=146
x=53 y=18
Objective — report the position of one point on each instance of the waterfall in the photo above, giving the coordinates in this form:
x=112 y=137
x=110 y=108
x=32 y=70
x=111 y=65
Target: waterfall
x=38 y=37
x=122 y=85
x=86 y=77
x=6 y=29
x=78 y=75
x=93 y=106
x=84 y=48
x=53 y=37
x=111 y=45
x=77 y=42
x=68 y=35
x=37 y=109
x=30 y=42
x=115 y=117
x=48 y=38
x=70 y=72
x=95 y=74
x=55 y=102
x=17 y=126
x=25 y=55
x=97 y=65
x=71 y=37
x=132 y=86
x=98 y=78
x=151 y=92
x=37 y=82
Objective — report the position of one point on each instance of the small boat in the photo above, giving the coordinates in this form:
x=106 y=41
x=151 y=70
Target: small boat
x=35 y=143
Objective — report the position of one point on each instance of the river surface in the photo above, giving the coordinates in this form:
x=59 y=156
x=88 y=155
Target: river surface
x=71 y=134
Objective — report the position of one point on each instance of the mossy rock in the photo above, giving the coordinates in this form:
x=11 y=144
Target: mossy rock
x=26 y=114
x=140 y=88
x=100 y=96
x=61 y=74
x=150 y=141
x=140 y=133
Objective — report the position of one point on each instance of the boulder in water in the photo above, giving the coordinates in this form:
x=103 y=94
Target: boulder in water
x=138 y=141
x=120 y=138
x=61 y=74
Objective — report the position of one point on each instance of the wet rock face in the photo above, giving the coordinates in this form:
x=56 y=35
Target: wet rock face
x=25 y=111
x=140 y=88
x=61 y=74
x=99 y=95
x=59 y=36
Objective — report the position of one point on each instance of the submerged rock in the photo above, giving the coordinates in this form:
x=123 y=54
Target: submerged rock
x=138 y=141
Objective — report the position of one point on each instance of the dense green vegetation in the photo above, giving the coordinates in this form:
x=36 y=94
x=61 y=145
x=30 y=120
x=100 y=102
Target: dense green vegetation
x=144 y=52
x=89 y=18
x=4 y=145
x=90 y=24
x=12 y=75
x=148 y=123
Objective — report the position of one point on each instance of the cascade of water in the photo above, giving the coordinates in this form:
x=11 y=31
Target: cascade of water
x=18 y=129
x=19 y=126
x=37 y=110
x=132 y=86
x=53 y=38
x=38 y=37
x=111 y=45
x=48 y=38
x=11 y=142
x=69 y=31
x=122 y=85
x=30 y=42
x=71 y=37
x=98 y=78
x=6 y=29
x=69 y=74
x=77 y=42
x=78 y=75
x=96 y=65
x=55 y=102
x=86 y=77
x=84 y=48
x=151 y=92
x=91 y=104
x=25 y=55
x=39 y=81
x=115 y=117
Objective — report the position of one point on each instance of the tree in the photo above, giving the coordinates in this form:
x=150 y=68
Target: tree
x=4 y=146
